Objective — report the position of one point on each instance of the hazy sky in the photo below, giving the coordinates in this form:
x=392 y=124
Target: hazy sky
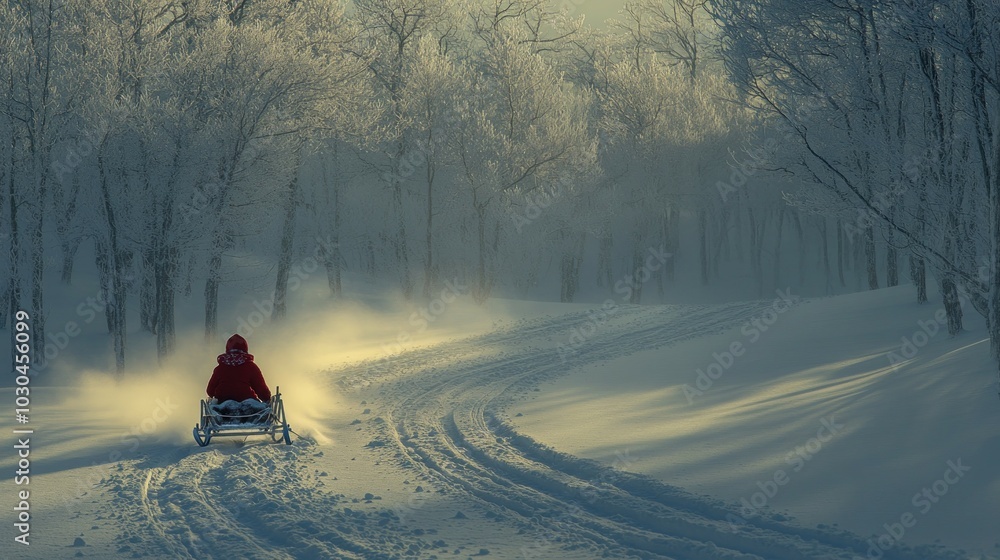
x=597 y=10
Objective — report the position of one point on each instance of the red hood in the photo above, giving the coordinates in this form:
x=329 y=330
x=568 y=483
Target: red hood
x=237 y=342
x=236 y=352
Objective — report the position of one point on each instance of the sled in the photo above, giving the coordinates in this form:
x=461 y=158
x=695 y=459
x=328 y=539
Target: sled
x=270 y=420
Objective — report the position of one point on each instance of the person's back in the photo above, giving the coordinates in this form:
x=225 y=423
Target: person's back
x=237 y=377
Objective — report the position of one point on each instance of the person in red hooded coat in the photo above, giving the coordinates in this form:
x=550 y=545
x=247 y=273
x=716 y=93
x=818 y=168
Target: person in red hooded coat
x=237 y=377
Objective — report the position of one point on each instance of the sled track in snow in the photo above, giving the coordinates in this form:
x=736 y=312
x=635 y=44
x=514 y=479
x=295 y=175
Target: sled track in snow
x=442 y=410
x=445 y=410
x=250 y=502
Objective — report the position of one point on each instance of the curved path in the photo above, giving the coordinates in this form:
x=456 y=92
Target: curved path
x=442 y=411
x=446 y=412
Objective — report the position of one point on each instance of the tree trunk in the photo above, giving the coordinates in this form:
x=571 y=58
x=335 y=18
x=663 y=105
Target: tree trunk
x=870 y=258
x=69 y=250
x=222 y=238
x=116 y=298
x=891 y=255
x=892 y=266
x=481 y=292
x=165 y=272
x=368 y=263
x=801 y=236
x=756 y=249
x=214 y=280
x=69 y=245
x=331 y=260
x=148 y=301
x=703 y=244
x=212 y=290
x=103 y=264
x=13 y=289
x=570 y=271
x=429 y=273
x=920 y=266
x=779 y=228
x=660 y=274
x=331 y=247
x=722 y=240
x=825 y=255
x=566 y=284
x=919 y=273
x=401 y=245
x=38 y=259
x=994 y=266
x=5 y=307
x=952 y=305
x=605 y=256
x=154 y=216
x=841 y=255
x=673 y=241
x=638 y=254
x=189 y=276
x=287 y=243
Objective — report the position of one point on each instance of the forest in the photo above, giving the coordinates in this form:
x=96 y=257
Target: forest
x=511 y=147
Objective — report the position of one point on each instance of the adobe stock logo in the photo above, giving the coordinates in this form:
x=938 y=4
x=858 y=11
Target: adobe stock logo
x=752 y=331
x=597 y=318
x=922 y=335
x=923 y=501
x=796 y=459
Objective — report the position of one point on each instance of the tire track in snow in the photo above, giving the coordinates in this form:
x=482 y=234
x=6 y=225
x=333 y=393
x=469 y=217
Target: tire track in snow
x=445 y=412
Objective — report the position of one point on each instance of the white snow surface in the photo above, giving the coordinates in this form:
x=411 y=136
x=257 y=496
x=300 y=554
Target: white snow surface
x=487 y=437
x=824 y=360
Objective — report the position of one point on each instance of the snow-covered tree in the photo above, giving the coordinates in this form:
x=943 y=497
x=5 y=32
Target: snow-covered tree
x=431 y=95
x=391 y=31
x=522 y=126
x=907 y=145
x=34 y=106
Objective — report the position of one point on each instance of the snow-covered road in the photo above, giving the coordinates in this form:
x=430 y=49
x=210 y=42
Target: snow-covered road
x=439 y=416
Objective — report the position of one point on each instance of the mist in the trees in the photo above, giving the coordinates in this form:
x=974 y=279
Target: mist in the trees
x=508 y=146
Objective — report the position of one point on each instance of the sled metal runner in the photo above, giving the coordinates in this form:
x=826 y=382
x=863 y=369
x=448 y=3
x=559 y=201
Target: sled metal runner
x=268 y=421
